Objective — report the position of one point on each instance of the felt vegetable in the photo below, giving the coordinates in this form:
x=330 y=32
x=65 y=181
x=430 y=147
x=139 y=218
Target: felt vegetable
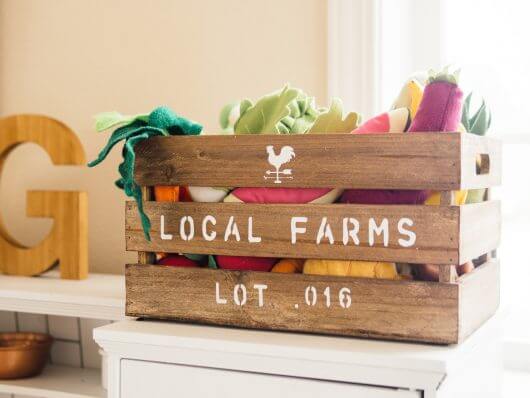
x=203 y=259
x=360 y=269
x=384 y=196
x=441 y=105
x=389 y=122
x=430 y=272
x=240 y=263
x=410 y=96
x=133 y=129
x=331 y=121
x=207 y=194
x=479 y=122
x=167 y=193
x=289 y=266
x=459 y=198
x=289 y=111
x=283 y=195
x=395 y=121
x=177 y=260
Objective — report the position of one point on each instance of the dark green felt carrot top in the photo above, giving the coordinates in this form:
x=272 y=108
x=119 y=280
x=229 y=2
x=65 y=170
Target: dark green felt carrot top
x=133 y=129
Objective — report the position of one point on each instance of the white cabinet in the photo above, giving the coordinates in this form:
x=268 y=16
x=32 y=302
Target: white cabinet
x=165 y=359
x=140 y=379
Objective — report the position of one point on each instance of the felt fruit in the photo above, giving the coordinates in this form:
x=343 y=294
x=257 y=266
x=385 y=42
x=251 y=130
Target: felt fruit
x=177 y=260
x=360 y=269
x=243 y=263
x=289 y=266
x=167 y=193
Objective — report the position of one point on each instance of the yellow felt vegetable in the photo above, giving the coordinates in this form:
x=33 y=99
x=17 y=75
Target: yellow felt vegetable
x=434 y=198
x=410 y=97
x=289 y=266
x=360 y=269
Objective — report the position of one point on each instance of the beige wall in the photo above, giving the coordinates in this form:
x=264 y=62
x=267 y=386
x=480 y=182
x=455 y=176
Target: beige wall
x=73 y=58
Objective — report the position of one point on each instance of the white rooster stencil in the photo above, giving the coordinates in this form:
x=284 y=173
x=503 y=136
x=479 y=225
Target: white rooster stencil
x=285 y=156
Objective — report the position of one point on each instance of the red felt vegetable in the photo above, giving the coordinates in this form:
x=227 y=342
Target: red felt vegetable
x=177 y=260
x=241 y=263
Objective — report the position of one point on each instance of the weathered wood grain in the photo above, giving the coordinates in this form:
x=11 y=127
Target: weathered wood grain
x=479 y=297
x=480 y=229
x=398 y=310
x=392 y=161
x=146 y=257
x=436 y=229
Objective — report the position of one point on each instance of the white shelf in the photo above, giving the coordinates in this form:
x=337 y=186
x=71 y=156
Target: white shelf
x=100 y=296
x=58 y=382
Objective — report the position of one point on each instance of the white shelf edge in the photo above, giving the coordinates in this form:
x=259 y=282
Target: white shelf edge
x=100 y=296
x=58 y=382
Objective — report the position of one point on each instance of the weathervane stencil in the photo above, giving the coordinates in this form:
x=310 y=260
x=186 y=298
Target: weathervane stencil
x=277 y=161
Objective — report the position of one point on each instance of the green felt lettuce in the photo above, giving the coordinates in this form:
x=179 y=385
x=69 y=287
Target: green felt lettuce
x=161 y=121
x=288 y=111
x=331 y=120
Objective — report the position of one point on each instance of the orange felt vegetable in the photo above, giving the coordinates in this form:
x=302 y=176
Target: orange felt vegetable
x=167 y=193
x=289 y=266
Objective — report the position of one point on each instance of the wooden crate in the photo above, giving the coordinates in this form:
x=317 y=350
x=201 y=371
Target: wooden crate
x=441 y=312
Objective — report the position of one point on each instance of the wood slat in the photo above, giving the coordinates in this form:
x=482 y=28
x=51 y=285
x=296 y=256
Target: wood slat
x=491 y=151
x=436 y=229
x=479 y=297
x=387 y=161
x=480 y=229
x=398 y=310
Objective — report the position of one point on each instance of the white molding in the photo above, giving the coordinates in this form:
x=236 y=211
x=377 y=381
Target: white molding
x=354 y=50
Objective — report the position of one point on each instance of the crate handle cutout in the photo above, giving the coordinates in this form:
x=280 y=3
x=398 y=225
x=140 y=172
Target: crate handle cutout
x=482 y=164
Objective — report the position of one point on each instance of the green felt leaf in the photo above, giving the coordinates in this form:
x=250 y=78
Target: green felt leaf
x=264 y=116
x=107 y=120
x=211 y=262
x=332 y=122
x=479 y=122
x=445 y=75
